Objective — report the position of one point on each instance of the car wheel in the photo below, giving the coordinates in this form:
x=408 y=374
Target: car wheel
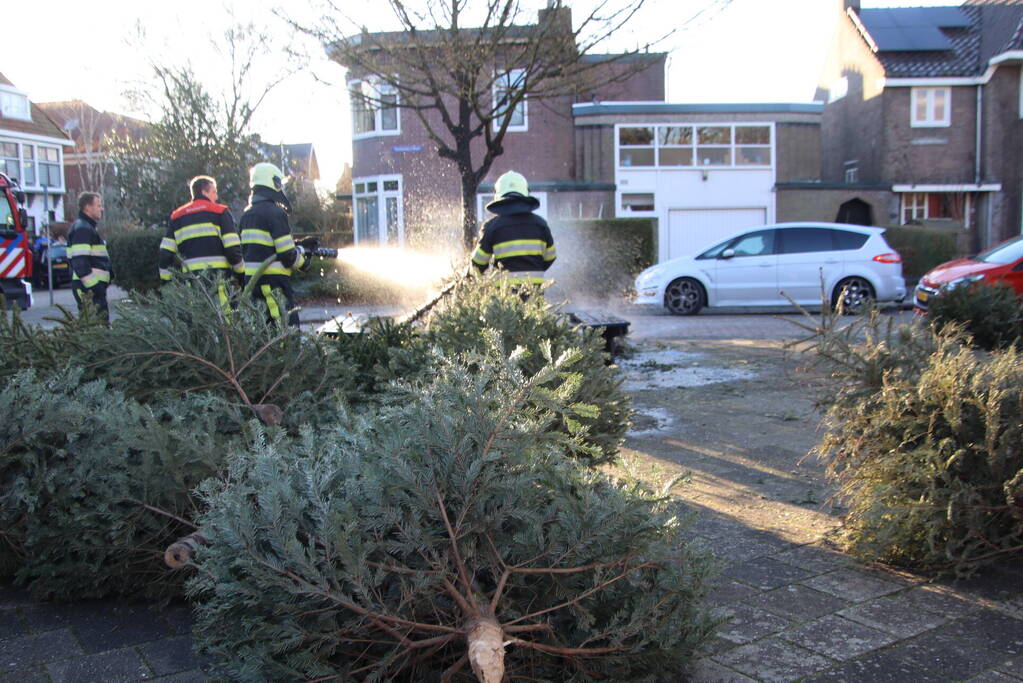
x=855 y=294
x=684 y=296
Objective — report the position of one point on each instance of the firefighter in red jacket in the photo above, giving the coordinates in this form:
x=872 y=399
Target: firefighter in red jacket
x=202 y=237
x=516 y=239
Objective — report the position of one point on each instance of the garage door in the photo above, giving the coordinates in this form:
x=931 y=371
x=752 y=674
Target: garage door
x=693 y=229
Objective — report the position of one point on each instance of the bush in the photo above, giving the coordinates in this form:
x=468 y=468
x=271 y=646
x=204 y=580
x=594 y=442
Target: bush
x=600 y=258
x=450 y=523
x=992 y=314
x=481 y=307
x=922 y=248
x=134 y=257
x=94 y=486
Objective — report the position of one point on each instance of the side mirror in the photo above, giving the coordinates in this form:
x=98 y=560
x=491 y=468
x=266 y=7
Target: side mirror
x=19 y=196
x=23 y=218
x=727 y=254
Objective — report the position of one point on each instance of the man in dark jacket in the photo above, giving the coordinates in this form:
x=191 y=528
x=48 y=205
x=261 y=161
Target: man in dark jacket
x=516 y=239
x=201 y=235
x=88 y=252
x=265 y=232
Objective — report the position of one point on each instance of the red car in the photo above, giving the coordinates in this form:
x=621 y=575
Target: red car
x=1001 y=264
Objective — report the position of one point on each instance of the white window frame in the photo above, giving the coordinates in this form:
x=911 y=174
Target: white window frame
x=930 y=121
x=382 y=196
x=17 y=159
x=484 y=198
x=8 y=96
x=734 y=146
x=626 y=212
x=377 y=89
x=915 y=204
x=509 y=76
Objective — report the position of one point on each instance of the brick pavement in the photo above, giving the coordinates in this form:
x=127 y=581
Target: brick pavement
x=795 y=610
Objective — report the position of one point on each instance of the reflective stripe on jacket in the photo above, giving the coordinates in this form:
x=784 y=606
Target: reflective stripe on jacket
x=265 y=232
x=516 y=240
x=201 y=235
x=90 y=262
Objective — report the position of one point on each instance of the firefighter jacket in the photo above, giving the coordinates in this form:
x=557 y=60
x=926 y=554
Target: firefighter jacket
x=265 y=232
x=202 y=235
x=90 y=263
x=518 y=240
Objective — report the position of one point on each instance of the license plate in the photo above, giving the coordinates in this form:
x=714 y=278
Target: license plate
x=921 y=297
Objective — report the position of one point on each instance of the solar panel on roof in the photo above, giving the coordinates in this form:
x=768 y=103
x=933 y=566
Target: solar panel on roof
x=912 y=29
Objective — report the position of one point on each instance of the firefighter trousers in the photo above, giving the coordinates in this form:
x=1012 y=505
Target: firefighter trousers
x=97 y=294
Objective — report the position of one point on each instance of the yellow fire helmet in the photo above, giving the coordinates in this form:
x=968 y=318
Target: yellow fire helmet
x=266 y=175
x=511 y=182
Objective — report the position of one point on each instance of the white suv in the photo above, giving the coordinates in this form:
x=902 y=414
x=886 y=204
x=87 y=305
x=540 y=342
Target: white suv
x=759 y=267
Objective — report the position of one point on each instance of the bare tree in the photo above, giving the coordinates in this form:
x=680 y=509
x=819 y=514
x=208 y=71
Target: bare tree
x=465 y=84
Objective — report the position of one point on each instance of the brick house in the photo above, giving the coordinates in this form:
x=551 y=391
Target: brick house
x=32 y=150
x=923 y=118
x=87 y=166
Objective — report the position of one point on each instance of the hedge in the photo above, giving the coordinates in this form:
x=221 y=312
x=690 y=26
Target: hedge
x=134 y=256
x=602 y=256
x=922 y=248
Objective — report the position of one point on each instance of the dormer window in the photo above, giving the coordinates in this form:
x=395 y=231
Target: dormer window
x=931 y=107
x=14 y=105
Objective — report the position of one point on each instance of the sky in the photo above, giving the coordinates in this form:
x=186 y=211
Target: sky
x=742 y=51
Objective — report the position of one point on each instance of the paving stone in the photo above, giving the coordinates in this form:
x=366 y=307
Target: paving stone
x=798 y=602
x=728 y=591
x=100 y=625
x=711 y=526
x=877 y=667
x=851 y=585
x=739 y=548
x=170 y=655
x=747 y=623
x=814 y=558
x=716 y=646
x=766 y=573
x=1013 y=667
x=39 y=648
x=940 y=600
x=893 y=615
x=992 y=630
x=109 y=667
x=35 y=675
x=10 y=624
x=709 y=671
x=946 y=655
x=180 y=618
x=774 y=661
x=993 y=677
x=838 y=638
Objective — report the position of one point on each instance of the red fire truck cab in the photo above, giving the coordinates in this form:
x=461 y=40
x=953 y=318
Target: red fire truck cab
x=15 y=249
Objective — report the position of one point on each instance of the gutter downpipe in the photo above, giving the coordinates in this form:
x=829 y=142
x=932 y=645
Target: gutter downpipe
x=977 y=168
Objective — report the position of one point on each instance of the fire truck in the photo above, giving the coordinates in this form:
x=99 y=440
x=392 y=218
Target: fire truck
x=15 y=249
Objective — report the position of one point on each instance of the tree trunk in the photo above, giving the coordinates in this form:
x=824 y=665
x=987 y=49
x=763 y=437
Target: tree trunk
x=486 y=649
x=470 y=221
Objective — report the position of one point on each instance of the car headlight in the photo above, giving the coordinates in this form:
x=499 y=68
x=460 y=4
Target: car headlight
x=645 y=279
x=960 y=281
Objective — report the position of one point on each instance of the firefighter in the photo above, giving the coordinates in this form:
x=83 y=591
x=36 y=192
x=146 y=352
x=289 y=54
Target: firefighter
x=90 y=263
x=516 y=239
x=201 y=235
x=265 y=232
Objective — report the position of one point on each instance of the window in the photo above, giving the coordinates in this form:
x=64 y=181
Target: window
x=914 y=207
x=632 y=203
x=374 y=109
x=506 y=86
x=10 y=163
x=14 y=105
x=846 y=240
x=28 y=163
x=636 y=146
x=931 y=107
x=759 y=243
x=804 y=240
x=49 y=167
x=677 y=146
x=852 y=174
x=378 y=211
